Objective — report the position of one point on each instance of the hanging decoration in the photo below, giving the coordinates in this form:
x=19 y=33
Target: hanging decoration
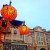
x=4 y=36
x=8 y=25
x=9 y=13
x=24 y=30
x=1 y=23
x=0 y=37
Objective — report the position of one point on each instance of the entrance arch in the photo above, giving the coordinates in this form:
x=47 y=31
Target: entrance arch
x=42 y=49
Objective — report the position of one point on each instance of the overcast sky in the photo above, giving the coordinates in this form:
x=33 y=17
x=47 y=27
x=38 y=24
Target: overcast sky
x=33 y=12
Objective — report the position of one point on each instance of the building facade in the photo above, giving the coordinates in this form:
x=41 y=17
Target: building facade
x=36 y=39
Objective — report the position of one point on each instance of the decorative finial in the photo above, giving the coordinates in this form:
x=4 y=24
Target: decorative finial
x=10 y=3
x=24 y=23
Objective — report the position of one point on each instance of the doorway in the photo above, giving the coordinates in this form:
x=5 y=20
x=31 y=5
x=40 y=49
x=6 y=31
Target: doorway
x=14 y=47
x=42 y=49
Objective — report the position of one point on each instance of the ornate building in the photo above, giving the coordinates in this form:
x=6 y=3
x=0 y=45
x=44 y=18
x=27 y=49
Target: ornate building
x=36 y=39
x=11 y=39
x=39 y=39
x=48 y=39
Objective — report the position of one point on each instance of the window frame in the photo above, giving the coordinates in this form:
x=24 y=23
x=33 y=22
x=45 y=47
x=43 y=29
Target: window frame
x=7 y=35
x=14 y=35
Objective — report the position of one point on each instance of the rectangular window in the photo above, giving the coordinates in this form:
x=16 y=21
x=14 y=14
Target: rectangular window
x=47 y=43
x=7 y=35
x=14 y=35
x=33 y=38
x=46 y=39
x=39 y=42
x=15 y=31
x=21 y=36
x=33 y=43
x=25 y=37
x=14 y=41
x=42 y=43
x=45 y=35
x=6 y=40
x=9 y=30
x=38 y=34
x=39 y=38
x=32 y=33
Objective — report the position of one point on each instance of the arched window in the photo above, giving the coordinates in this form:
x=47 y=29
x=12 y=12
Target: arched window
x=42 y=49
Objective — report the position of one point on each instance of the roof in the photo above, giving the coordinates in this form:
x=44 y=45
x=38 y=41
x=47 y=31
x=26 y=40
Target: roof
x=16 y=22
x=0 y=17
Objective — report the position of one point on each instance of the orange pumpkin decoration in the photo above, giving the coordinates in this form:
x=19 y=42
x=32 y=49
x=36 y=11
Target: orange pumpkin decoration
x=9 y=13
x=24 y=30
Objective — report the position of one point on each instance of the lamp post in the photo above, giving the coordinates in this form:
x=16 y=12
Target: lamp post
x=23 y=25
x=24 y=30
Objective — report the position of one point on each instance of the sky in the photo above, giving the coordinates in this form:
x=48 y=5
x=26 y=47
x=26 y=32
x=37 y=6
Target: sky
x=33 y=12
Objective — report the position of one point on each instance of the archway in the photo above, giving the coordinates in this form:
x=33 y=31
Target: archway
x=42 y=49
